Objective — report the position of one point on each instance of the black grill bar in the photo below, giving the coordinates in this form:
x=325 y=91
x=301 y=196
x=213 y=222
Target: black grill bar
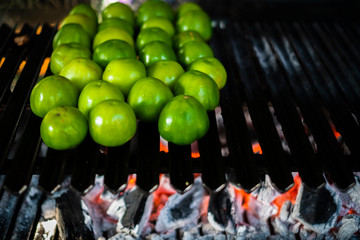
x=243 y=167
x=6 y=35
x=19 y=97
x=322 y=83
x=314 y=117
x=274 y=155
x=286 y=112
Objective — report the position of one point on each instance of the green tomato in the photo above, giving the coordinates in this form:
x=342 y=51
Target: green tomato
x=85 y=9
x=88 y=24
x=200 y=86
x=188 y=6
x=182 y=38
x=96 y=92
x=156 y=51
x=119 y=10
x=112 y=33
x=167 y=71
x=123 y=73
x=112 y=49
x=212 y=67
x=152 y=34
x=51 y=92
x=147 y=97
x=159 y=22
x=194 y=50
x=183 y=120
x=112 y=123
x=81 y=71
x=64 y=53
x=153 y=8
x=71 y=33
x=195 y=20
x=118 y=23
x=63 y=128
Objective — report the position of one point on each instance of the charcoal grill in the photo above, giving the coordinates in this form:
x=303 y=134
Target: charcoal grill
x=303 y=74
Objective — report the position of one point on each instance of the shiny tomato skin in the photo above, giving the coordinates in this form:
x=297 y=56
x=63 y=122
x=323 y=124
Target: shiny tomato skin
x=212 y=67
x=160 y=22
x=195 y=20
x=112 y=49
x=85 y=9
x=116 y=22
x=182 y=38
x=71 y=33
x=152 y=34
x=50 y=92
x=200 y=86
x=156 y=51
x=194 y=50
x=63 y=128
x=112 y=33
x=153 y=8
x=81 y=71
x=87 y=23
x=119 y=10
x=123 y=73
x=112 y=123
x=183 y=120
x=96 y=92
x=167 y=71
x=64 y=53
x=147 y=97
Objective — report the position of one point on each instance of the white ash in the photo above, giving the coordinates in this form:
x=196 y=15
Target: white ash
x=245 y=232
x=47 y=225
x=285 y=212
x=282 y=229
x=266 y=192
x=122 y=236
x=348 y=226
x=173 y=214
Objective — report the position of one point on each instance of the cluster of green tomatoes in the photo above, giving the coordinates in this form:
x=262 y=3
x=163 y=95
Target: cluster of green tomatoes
x=153 y=64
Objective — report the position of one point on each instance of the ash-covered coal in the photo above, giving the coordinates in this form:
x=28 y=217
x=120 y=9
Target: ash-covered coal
x=222 y=211
x=132 y=209
x=349 y=227
x=182 y=210
x=318 y=209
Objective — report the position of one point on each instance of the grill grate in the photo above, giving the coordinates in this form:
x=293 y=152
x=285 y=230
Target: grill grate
x=308 y=72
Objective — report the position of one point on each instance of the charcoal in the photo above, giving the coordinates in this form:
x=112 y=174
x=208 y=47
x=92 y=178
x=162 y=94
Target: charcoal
x=266 y=192
x=122 y=236
x=27 y=214
x=249 y=233
x=47 y=225
x=348 y=227
x=73 y=219
x=133 y=210
x=181 y=210
x=317 y=209
x=285 y=212
x=221 y=210
x=282 y=230
x=2 y=179
x=8 y=204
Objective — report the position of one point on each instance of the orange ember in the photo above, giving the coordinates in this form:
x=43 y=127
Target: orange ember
x=289 y=195
x=256 y=148
x=44 y=67
x=163 y=147
x=243 y=196
x=131 y=182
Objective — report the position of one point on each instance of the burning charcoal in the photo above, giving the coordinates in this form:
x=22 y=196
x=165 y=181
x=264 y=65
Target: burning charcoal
x=266 y=192
x=72 y=215
x=28 y=211
x=47 y=225
x=221 y=210
x=318 y=209
x=349 y=227
x=133 y=210
x=181 y=210
x=98 y=200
